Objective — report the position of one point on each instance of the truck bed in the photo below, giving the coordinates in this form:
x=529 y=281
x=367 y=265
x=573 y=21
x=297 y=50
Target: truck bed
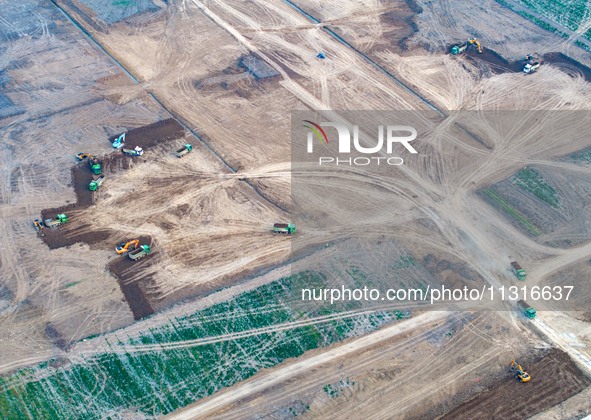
x=136 y=251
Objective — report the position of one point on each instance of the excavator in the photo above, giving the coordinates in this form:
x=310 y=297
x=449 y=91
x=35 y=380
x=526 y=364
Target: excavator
x=39 y=226
x=127 y=246
x=459 y=49
x=519 y=372
x=94 y=163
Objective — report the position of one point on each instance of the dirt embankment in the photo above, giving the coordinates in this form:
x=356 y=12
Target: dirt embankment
x=555 y=378
x=83 y=231
x=498 y=64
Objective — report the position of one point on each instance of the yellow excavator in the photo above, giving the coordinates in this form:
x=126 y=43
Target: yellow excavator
x=519 y=372
x=82 y=156
x=459 y=49
x=127 y=246
x=474 y=41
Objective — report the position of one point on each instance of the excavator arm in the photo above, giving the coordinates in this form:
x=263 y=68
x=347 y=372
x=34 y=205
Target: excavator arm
x=82 y=156
x=474 y=41
x=125 y=247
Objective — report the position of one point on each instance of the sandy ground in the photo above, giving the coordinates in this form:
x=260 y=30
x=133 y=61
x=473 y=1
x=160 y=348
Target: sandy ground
x=202 y=217
x=52 y=74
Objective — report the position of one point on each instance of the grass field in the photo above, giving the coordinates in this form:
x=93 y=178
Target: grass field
x=572 y=14
x=157 y=382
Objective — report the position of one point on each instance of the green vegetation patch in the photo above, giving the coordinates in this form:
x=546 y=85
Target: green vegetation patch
x=582 y=156
x=541 y=23
x=156 y=380
x=569 y=13
x=533 y=182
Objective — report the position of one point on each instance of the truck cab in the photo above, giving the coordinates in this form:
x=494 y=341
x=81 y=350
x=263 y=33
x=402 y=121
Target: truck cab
x=528 y=311
x=518 y=270
x=183 y=150
x=94 y=184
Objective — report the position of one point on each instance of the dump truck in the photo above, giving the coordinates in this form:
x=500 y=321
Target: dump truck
x=95 y=166
x=518 y=270
x=95 y=183
x=138 y=151
x=285 y=228
x=93 y=163
x=183 y=150
x=532 y=64
x=127 y=246
x=59 y=219
x=139 y=252
x=459 y=49
x=528 y=311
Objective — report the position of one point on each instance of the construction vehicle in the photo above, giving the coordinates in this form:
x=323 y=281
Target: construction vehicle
x=138 y=151
x=59 y=219
x=532 y=64
x=459 y=49
x=95 y=183
x=127 y=246
x=528 y=311
x=119 y=141
x=518 y=270
x=139 y=252
x=39 y=226
x=285 y=228
x=95 y=166
x=183 y=150
x=519 y=372
x=94 y=163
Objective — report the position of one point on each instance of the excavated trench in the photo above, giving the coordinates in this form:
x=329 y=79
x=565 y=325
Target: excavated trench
x=75 y=231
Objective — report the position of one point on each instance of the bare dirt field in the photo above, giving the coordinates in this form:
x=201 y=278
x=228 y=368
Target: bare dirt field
x=50 y=73
x=224 y=75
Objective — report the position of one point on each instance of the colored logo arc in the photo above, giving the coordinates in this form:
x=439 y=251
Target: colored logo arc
x=317 y=130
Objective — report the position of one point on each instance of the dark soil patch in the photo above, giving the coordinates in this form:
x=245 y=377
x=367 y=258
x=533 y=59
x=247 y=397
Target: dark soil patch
x=499 y=64
x=555 y=378
x=401 y=23
x=494 y=60
x=568 y=65
x=132 y=286
x=56 y=338
x=59 y=237
x=153 y=134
